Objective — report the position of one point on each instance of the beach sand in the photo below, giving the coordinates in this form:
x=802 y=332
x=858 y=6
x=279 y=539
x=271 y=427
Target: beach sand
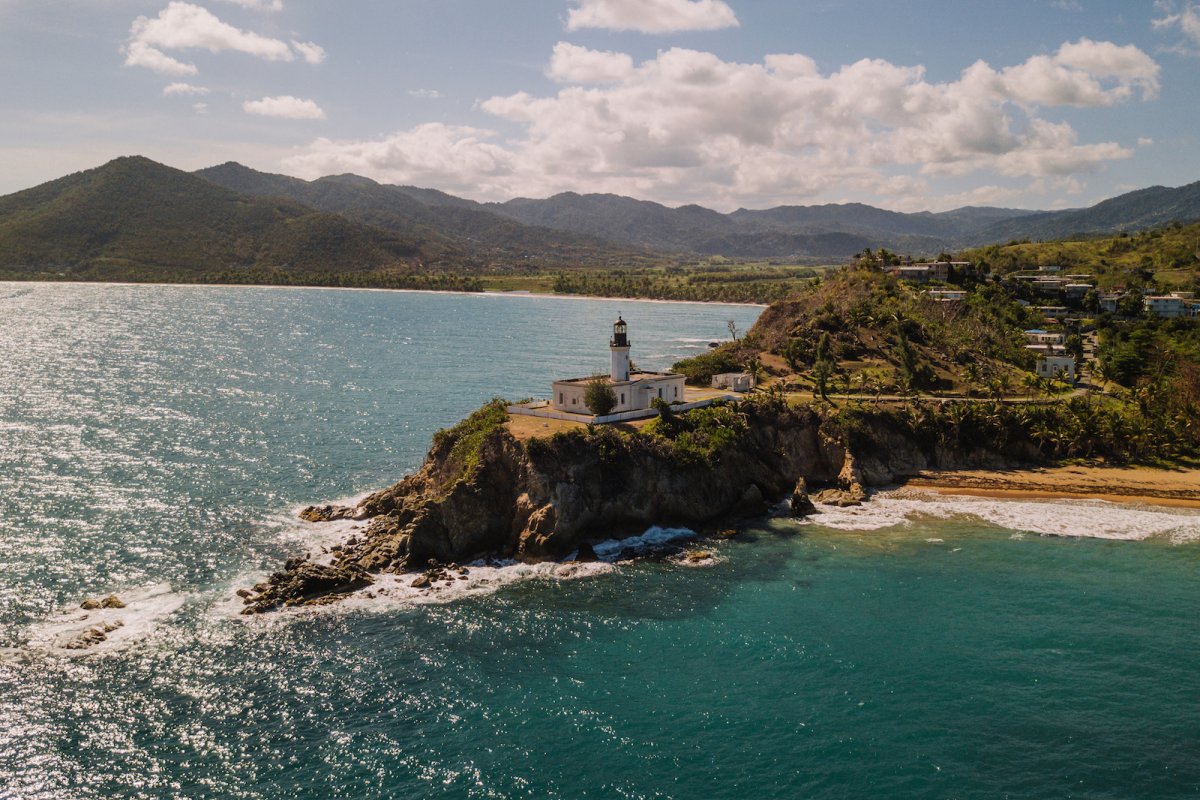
x=1170 y=487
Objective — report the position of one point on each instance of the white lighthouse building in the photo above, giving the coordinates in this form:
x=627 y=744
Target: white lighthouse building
x=635 y=390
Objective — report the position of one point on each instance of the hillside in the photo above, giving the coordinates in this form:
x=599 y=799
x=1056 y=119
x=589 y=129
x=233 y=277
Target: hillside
x=1139 y=210
x=133 y=218
x=1169 y=255
x=429 y=214
x=836 y=231
x=864 y=331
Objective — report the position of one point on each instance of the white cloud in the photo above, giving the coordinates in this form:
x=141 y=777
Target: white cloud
x=259 y=5
x=184 y=89
x=284 y=107
x=573 y=64
x=688 y=126
x=1145 y=141
x=652 y=16
x=1187 y=19
x=1084 y=73
x=200 y=108
x=311 y=52
x=139 y=54
x=455 y=158
x=186 y=26
x=425 y=94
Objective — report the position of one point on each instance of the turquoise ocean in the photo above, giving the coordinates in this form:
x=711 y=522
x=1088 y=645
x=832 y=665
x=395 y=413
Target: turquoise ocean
x=157 y=442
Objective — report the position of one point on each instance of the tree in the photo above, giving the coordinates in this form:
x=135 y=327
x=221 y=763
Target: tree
x=599 y=396
x=823 y=367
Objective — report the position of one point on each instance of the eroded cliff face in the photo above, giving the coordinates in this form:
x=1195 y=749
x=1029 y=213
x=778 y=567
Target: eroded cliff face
x=545 y=498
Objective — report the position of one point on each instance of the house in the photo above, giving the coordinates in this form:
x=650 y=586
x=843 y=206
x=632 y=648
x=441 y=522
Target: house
x=634 y=391
x=1109 y=300
x=733 y=381
x=1167 y=306
x=1039 y=336
x=1053 y=312
x=1053 y=269
x=947 y=295
x=1051 y=287
x=917 y=273
x=1051 y=366
x=1076 y=291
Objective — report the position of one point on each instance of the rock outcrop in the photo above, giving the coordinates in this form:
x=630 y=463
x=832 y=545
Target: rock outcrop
x=483 y=493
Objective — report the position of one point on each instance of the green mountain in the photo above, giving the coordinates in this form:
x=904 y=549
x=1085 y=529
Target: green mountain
x=429 y=214
x=137 y=219
x=1136 y=211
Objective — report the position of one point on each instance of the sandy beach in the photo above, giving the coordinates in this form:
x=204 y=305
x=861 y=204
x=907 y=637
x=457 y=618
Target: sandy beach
x=1170 y=487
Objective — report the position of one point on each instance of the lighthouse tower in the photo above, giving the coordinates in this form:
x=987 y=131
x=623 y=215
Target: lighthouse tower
x=619 y=347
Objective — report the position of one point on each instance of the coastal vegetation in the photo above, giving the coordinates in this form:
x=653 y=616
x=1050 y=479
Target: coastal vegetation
x=1168 y=256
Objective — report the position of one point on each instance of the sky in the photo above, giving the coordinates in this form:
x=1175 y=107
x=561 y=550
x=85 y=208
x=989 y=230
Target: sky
x=904 y=104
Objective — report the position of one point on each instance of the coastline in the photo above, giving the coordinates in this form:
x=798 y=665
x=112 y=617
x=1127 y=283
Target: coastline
x=488 y=293
x=1178 y=488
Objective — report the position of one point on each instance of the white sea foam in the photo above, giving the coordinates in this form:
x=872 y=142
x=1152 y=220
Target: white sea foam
x=1060 y=517
x=146 y=609
x=652 y=539
x=391 y=592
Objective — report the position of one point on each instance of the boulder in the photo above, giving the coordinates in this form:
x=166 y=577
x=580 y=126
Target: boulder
x=326 y=513
x=801 y=505
x=112 y=601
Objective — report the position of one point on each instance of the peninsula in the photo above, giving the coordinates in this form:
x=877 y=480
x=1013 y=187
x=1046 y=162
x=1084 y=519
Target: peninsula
x=868 y=380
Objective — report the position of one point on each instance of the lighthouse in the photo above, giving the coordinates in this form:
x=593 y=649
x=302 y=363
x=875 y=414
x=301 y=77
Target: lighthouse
x=634 y=390
x=619 y=348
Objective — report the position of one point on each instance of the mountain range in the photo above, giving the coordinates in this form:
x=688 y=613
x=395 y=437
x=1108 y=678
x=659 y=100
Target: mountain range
x=133 y=214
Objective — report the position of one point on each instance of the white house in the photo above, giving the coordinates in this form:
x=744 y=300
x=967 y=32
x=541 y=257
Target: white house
x=635 y=391
x=1167 y=306
x=1050 y=366
x=733 y=381
x=1039 y=336
x=947 y=295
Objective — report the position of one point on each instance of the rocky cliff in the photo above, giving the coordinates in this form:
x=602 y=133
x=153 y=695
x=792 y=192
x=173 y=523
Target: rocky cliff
x=481 y=493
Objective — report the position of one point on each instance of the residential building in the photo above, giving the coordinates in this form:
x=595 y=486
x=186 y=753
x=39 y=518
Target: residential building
x=1051 y=366
x=1167 y=306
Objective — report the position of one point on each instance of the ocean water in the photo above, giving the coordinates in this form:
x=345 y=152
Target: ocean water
x=156 y=442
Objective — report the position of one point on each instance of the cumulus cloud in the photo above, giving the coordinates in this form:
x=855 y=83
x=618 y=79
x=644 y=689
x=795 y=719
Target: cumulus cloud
x=688 y=126
x=140 y=54
x=284 y=107
x=452 y=157
x=573 y=64
x=652 y=16
x=186 y=26
x=310 y=51
x=183 y=89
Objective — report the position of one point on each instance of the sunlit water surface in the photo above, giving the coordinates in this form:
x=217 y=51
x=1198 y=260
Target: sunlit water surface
x=156 y=442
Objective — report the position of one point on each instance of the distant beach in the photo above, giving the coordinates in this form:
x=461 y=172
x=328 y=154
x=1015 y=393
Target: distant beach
x=1164 y=487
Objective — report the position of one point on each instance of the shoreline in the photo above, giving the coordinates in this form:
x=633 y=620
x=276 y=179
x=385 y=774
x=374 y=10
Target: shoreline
x=486 y=293
x=1177 y=488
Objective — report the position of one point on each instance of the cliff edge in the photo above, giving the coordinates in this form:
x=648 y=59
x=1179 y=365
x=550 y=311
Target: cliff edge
x=481 y=493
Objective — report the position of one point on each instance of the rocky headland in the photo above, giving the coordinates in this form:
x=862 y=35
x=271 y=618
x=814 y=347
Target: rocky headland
x=483 y=494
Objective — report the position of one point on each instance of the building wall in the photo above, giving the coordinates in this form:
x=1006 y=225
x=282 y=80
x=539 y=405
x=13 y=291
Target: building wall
x=632 y=395
x=1049 y=366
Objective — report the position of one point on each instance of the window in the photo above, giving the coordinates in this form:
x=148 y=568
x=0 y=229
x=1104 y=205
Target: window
x=573 y=399
x=677 y=392
x=560 y=398
x=622 y=398
x=660 y=393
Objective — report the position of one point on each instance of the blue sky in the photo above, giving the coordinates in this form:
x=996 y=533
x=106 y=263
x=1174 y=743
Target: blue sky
x=726 y=103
